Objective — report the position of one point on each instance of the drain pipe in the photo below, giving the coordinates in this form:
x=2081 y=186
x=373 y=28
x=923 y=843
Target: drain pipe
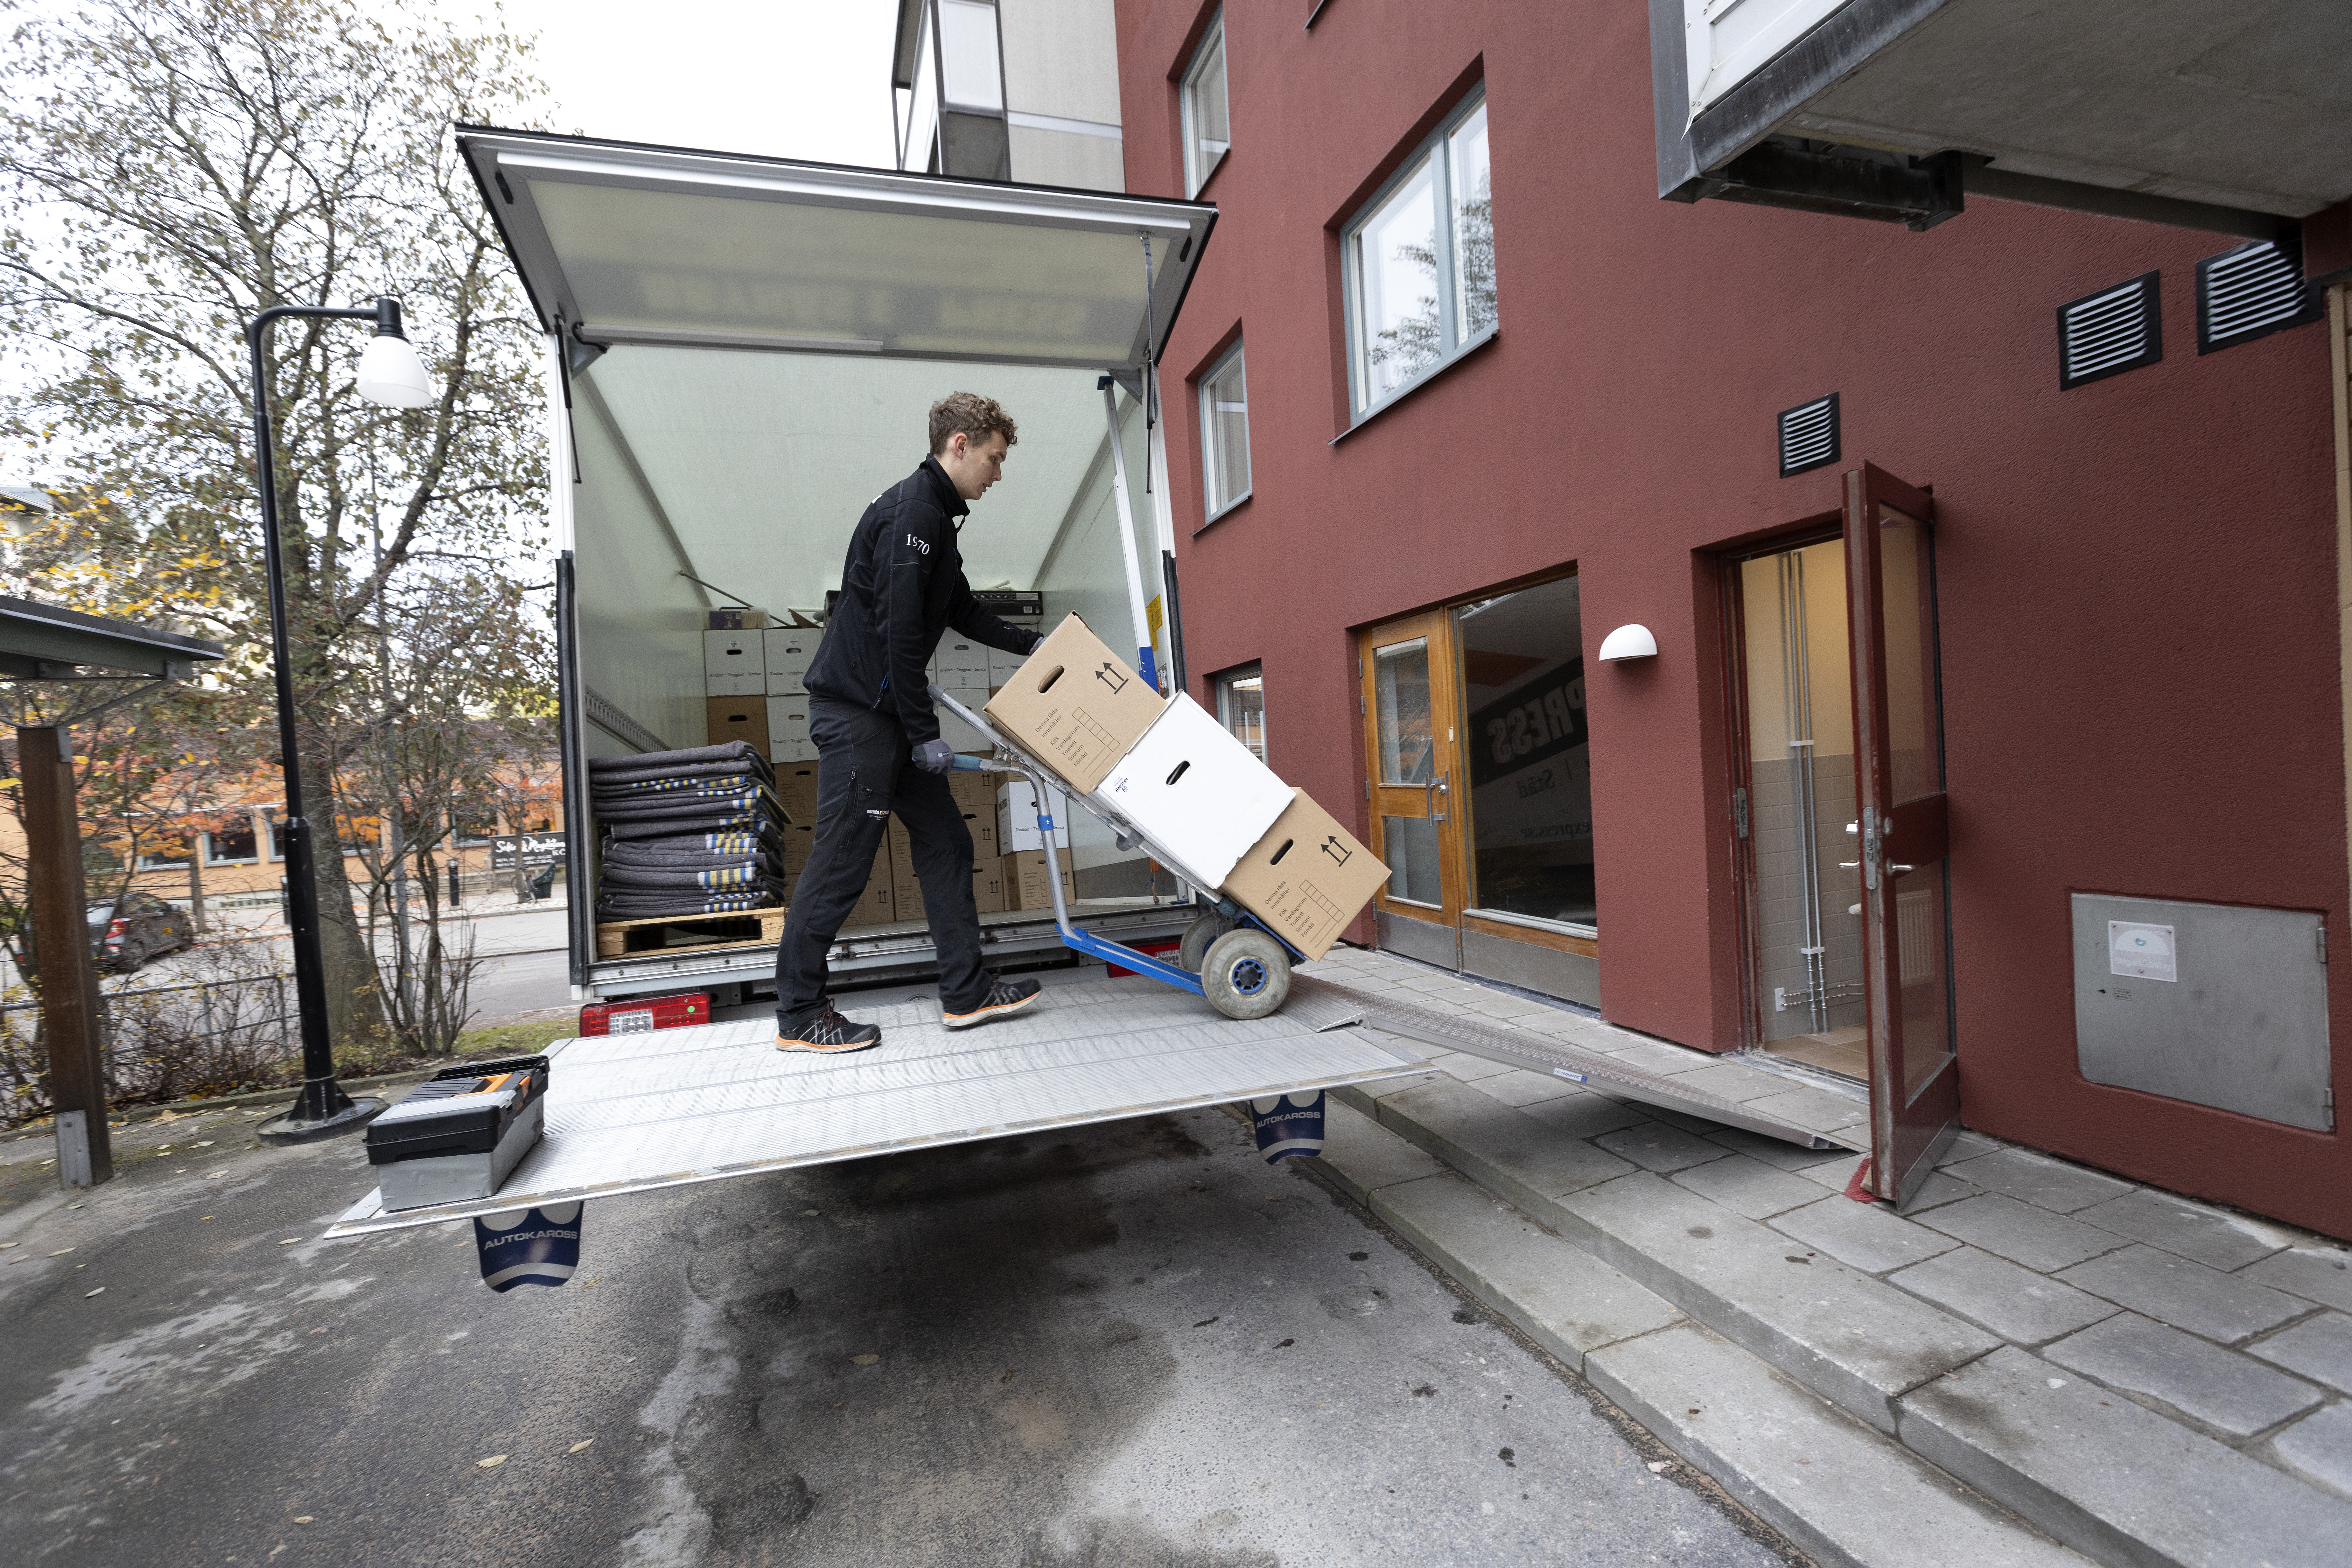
x=2339 y=365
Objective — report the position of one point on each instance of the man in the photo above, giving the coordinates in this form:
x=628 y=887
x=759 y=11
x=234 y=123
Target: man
x=877 y=737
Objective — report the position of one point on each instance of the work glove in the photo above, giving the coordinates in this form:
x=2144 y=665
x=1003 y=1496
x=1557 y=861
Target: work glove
x=935 y=756
x=1036 y=641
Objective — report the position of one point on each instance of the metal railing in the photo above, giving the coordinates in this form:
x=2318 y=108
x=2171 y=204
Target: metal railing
x=156 y=1038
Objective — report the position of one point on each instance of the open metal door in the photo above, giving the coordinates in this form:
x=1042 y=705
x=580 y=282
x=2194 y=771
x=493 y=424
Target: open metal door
x=1915 y=1096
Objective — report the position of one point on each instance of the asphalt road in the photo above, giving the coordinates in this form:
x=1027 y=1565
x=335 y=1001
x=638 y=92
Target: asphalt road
x=1134 y=1346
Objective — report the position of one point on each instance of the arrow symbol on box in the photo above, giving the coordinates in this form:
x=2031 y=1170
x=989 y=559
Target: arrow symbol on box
x=1110 y=675
x=1331 y=846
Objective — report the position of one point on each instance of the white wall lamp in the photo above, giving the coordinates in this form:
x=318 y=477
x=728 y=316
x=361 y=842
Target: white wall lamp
x=1629 y=642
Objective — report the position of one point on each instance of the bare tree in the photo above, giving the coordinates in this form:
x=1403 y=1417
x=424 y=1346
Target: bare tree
x=168 y=169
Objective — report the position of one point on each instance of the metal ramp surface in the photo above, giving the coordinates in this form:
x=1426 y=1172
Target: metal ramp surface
x=627 y=1113
x=1498 y=1042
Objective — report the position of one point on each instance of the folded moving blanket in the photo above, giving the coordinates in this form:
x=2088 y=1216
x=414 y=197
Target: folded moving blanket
x=742 y=874
x=651 y=905
x=717 y=822
x=686 y=804
x=724 y=752
x=695 y=853
x=754 y=767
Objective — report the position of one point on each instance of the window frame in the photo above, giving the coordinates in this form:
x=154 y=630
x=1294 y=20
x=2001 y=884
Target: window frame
x=212 y=858
x=1222 y=685
x=1431 y=153
x=1217 y=367
x=1212 y=37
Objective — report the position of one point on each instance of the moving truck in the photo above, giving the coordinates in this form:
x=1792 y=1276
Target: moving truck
x=742 y=354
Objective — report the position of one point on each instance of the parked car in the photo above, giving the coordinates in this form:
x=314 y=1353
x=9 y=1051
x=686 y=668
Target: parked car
x=125 y=933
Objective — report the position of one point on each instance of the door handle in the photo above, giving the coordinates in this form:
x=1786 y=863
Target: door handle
x=1429 y=792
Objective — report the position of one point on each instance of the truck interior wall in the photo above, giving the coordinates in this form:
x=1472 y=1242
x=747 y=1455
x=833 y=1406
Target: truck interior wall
x=640 y=623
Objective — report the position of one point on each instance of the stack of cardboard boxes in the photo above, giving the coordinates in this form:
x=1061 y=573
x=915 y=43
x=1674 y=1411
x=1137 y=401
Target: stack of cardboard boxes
x=1169 y=776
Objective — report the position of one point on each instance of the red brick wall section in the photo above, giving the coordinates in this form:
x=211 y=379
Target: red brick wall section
x=2139 y=636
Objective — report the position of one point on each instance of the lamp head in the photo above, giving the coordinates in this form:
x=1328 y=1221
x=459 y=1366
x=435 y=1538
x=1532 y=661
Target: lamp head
x=390 y=372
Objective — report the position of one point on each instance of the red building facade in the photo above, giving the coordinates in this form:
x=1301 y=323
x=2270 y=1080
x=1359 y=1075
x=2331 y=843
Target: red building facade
x=2134 y=577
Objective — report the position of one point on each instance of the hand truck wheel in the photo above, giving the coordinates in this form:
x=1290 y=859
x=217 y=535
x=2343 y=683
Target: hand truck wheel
x=1194 y=949
x=1245 y=973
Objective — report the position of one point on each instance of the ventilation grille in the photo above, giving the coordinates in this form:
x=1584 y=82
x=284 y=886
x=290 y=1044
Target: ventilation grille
x=2252 y=291
x=2108 y=332
x=1808 y=436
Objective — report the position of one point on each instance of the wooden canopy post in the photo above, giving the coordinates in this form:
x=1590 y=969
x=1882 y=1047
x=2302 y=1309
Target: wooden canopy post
x=60 y=904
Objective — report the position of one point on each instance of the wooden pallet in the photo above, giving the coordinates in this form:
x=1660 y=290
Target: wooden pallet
x=749 y=928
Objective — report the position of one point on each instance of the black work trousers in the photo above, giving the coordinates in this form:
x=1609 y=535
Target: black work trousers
x=864 y=774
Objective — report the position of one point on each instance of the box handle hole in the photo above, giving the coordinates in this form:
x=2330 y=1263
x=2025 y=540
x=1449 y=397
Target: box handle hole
x=1047 y=684
x=1278 y=854
x=1179 y=772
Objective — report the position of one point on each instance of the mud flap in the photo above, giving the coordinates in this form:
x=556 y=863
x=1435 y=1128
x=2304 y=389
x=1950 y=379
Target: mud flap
x=1290 y=1125
x=530 y=1247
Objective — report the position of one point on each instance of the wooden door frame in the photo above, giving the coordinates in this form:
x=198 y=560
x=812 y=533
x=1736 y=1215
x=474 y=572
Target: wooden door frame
x=1436 y=626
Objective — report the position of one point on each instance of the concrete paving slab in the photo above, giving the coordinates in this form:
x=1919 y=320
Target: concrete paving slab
x=1518 y=1157
x=1696 y=1125
x=1566 y=1300
x=1660 y=1147
x=1771 y=1150
x=1833 y=1170
x=1362 y=1156
x=2221 y=1388
x=1941 y=1187
x=1853 y=1339
x=2319 y=1348
x=1651 y=1056
x=1749 y=1187
x=2114 y=1480
x=2021 y=1232
x=2018 y=1304
x=1840 y=1490
x=1522 y=1087
x=2178 y=1225
x=2039 y=1179
x=1871 y=1236
x=1365 y=1096
x=1965 y=1145
x=1587 y=1115
x=2187 y=1295
x=2321 y=1274
x=2320 y=1446
x=1464 y=1068
x=1731 y=1081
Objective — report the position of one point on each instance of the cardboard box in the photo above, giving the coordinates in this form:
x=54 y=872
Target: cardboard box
x=736 y=719
x=985 y=844
x=1196 y=792
x=737 y=619
x=1016 y=817
x=796 y=791
x=975 y=792
x=1077 y=707
x=1025 y=880
x=1308 y=878
x=988 y=886
x=730 y=665
x=786 y=652
x=877 y=904
x=740 y=683
x=1002 y=665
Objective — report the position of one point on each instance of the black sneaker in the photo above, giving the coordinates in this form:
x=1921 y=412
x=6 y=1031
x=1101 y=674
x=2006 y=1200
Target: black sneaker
x=827 y=1032
x=1005 y=998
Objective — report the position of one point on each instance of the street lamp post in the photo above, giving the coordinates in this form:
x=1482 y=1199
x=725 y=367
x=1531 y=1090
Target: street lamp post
x=389 y=373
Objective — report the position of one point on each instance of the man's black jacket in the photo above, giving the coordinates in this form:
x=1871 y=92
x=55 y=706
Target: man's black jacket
x=901 y=586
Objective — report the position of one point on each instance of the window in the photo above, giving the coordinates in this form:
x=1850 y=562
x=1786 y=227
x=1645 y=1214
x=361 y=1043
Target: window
x=1207 y=131
x=165 y=846
x=1421 y=263
x=969 y=67
x=232 y=842
x=277 y=826
x=1528 y=756
x=1241 y=707
x=1225 y=435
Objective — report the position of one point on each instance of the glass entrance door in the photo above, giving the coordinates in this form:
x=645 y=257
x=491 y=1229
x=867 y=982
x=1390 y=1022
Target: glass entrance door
x=1411 y=720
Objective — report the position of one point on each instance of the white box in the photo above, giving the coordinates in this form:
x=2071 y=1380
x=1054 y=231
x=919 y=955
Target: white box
x=734 y=683
x=787 y=651
x=1016 y=818
x=1197 y=791
x=960 y=735
x=961 y=661
x=1002 y=665
x=788 y=720
x=732 y=653
x=801 y=750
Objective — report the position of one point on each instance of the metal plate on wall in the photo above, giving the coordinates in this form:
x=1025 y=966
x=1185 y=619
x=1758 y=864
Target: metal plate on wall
x=1431 y=943
x=1536 y=968
x=2213 y=1004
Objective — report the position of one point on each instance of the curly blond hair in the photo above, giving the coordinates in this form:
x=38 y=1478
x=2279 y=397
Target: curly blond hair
x=977 y=416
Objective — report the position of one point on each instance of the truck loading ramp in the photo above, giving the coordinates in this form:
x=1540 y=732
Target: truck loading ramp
x=668 y=1108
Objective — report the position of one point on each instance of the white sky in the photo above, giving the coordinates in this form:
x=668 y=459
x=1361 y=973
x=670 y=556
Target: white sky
x=797 y=78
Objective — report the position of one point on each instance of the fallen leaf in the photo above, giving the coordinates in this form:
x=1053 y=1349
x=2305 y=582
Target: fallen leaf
x=864 y=1360
x=88 y=1294
x=206 y=1144
x=579 y=1447
x=808 y=1214
x=492 y=1463
x=1660 y=1466
x=73 y=1205
x=60 y=1252
x=301 y=1518
x=5 y=1246
x=289 y=1241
